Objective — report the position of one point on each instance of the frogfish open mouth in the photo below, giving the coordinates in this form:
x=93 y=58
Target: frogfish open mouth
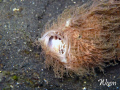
x=83 y=38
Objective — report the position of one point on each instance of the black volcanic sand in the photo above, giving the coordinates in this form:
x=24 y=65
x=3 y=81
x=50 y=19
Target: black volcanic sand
x=22 y=65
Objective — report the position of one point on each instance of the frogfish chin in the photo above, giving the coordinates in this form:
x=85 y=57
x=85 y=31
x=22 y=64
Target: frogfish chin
x=83 y=38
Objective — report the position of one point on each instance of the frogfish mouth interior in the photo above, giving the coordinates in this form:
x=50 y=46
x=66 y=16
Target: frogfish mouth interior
x=55 y=44
x=83 y=38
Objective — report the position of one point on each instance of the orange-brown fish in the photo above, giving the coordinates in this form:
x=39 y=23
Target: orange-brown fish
x=83 y=38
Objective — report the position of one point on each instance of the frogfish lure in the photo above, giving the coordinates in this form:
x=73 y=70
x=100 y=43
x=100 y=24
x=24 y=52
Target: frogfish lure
x=83 y=38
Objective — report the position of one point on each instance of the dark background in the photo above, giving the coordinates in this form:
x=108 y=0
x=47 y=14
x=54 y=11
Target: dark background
x=21 y=65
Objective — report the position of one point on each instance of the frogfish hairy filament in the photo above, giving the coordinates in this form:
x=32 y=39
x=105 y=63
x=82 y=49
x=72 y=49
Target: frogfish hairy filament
x=83 y=38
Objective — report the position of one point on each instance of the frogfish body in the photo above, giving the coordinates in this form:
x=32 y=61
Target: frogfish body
x=83 y=38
